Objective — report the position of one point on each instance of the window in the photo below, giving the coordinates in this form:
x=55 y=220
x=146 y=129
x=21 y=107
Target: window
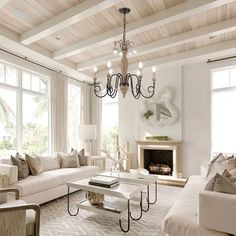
x=223 y=112
x=109 y=123
x=8 y=112
x=73 y=116
x=24 y=111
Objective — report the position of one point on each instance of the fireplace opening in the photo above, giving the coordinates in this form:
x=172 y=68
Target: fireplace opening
x=158 y=162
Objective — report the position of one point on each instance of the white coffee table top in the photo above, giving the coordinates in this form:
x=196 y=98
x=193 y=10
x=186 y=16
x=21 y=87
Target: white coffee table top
x=130 y=178
x=123 y=190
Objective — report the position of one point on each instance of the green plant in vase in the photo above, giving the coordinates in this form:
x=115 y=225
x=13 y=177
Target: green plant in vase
x=148 y=113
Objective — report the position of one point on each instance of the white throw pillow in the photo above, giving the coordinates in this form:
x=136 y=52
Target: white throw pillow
x=49 y=162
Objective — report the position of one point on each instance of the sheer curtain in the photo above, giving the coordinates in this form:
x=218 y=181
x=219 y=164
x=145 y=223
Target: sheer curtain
x=59 y=88
x=96 y=117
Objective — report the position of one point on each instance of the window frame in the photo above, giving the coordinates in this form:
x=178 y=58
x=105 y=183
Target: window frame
x=75 y=84
x=218 y=90
x=110 y=102
x=19 y=102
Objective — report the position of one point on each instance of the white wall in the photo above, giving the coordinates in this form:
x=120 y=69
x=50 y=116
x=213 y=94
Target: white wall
x=131 y=126
x=196 y=149
x=192 y=85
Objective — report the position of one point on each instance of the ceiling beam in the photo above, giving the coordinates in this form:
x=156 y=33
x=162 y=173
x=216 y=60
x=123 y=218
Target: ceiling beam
x=195 y=55
x=66 y=19
x=3 y=3
x=207 y=31
x=191 y=56
x=161 y=18
x=9 y=41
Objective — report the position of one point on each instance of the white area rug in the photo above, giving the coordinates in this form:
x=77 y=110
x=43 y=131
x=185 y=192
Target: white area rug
x=55 y=220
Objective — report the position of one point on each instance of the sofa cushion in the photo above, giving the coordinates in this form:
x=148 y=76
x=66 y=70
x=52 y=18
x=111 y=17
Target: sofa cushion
x=49 y=162
x=22 y=166
x=33 y=184
x=183 y=216
x=53 y=178
x=34 y=163
x=70 y=174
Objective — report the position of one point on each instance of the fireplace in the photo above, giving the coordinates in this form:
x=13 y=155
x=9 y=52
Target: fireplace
x=160 y=157
x=158 y=162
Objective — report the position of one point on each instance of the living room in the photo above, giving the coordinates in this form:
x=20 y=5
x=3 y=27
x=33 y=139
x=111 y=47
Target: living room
x=116 y=117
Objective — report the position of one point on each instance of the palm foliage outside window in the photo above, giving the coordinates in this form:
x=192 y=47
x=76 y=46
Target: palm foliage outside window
x=24 y=111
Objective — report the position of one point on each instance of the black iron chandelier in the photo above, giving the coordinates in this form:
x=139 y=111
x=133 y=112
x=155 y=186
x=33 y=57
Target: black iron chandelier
x=124 y=80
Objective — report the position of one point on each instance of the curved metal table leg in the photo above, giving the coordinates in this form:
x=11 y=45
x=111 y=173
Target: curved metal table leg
x=155 y=194
x=141 y=212
x=146 y=210
x=128 y=227
x=68 y=204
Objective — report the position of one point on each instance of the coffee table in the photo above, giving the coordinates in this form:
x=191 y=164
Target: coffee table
x=125 y=191
x=147 y=180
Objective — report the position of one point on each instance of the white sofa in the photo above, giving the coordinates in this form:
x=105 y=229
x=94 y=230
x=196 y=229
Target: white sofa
x=201 y=213
x=48 y=185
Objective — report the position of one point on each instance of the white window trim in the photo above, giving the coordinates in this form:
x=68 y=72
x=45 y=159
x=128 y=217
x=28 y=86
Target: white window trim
x=19 y=95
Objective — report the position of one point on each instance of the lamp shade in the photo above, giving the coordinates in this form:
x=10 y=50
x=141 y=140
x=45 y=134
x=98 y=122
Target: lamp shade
x=87 y=132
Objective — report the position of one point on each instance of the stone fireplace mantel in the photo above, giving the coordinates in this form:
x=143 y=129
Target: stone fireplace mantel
x=161 y=145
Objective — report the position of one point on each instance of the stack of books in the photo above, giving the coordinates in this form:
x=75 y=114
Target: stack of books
x=103 y=181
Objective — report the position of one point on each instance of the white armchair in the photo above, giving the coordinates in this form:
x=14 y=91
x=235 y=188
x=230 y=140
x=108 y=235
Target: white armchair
x=18 y=218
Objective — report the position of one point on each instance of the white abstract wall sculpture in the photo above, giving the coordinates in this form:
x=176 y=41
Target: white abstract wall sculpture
x=160 y=110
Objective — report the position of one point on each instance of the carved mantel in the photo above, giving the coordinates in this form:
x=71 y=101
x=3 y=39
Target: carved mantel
x=161 y=145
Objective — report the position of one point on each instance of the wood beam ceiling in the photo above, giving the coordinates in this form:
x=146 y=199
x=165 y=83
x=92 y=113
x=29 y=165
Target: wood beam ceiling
x=170 y=15
x=194 y=55
x=9 y=41
x=207 y=31
x=66 y=19
x=3 y=3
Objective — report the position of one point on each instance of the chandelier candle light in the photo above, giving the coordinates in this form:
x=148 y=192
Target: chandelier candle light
x=124 y=79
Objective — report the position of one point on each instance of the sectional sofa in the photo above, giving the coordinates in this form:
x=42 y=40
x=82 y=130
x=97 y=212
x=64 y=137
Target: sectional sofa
x=46 y=186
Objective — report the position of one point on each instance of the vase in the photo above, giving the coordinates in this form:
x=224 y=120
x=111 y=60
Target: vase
x=115 y=168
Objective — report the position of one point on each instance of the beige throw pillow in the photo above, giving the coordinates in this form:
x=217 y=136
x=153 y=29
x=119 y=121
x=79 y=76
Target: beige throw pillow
x=231 y=178
x=82 y=158
x=220 y=184
x=22 y=166
x=34 y=163
x=220 y=166
x=68 y=160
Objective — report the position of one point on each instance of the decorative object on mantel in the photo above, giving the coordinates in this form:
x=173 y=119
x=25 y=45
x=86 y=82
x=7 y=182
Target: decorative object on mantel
x=124 y=79
x=161 y=138
x=148 y=114
x=164 y=111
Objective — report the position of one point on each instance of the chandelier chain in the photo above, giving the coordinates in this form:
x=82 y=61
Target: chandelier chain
x=124 y=29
